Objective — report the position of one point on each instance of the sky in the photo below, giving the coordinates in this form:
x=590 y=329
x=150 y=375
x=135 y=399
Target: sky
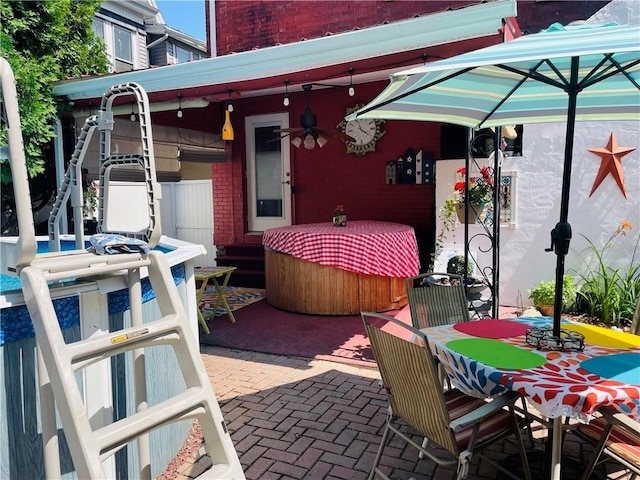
x=184 y=15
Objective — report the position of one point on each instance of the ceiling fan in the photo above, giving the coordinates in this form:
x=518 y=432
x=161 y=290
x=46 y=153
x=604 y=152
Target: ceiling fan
x=310 y=133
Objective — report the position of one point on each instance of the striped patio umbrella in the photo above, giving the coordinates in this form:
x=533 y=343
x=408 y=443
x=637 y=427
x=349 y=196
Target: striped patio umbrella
x=562 y=74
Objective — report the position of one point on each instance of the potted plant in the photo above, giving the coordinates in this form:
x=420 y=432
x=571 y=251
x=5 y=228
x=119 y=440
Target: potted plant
x=339 y=217
x=475 y=285
x=478 y=194
x=544 y=294
x=456 y=266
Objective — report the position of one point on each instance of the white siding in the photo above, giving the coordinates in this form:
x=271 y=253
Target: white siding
x=142 y=58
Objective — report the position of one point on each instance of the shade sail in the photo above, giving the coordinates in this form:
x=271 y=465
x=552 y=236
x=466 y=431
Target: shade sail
x=527 y=80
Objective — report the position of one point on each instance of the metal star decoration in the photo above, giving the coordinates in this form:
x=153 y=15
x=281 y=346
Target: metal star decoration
x=611 y=163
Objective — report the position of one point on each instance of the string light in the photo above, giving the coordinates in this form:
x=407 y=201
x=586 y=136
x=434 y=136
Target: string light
x=227 y=128
x=229 y=104
x=133 y=114
x=352 y=91
x=179 y=112
x=285 y=102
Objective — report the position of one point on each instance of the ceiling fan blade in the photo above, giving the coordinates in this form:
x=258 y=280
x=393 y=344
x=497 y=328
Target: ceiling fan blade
x=288 y=130
x=336 y=134
x=277 y=139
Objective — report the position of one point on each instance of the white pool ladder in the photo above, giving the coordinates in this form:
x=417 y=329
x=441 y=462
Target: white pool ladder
x=90 y=447
x=58 y=361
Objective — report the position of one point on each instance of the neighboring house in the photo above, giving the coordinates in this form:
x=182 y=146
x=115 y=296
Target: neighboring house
x=284 y=45
x=136 y=37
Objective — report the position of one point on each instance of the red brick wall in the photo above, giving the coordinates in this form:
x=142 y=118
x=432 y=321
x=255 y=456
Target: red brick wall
x=328 y=176
x=244 y=25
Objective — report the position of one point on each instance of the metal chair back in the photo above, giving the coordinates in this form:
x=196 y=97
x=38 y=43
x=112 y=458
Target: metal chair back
x=410 y=378
x=437 y=299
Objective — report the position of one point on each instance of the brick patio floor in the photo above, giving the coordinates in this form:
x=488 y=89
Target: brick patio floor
x=294 y=418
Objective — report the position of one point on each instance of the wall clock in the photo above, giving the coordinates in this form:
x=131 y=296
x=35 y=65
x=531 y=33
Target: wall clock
x=365 y=131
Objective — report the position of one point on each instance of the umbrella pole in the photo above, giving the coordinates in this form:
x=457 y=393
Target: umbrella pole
x=561 y=234
x=560 y=239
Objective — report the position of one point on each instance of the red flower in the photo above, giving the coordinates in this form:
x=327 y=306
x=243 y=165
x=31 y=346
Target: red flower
x=480 y=188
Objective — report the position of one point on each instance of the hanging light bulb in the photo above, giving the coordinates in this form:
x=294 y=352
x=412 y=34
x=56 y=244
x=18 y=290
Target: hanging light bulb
x=309 y=141
x=285 y=102
x=321 y=141
x=179 y=112
x=227 y=128
x=229 y=104
x=296 y=142
x=352 y=90
x=133 y=114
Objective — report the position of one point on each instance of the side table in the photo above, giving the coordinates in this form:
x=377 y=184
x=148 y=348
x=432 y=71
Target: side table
x=205 y=275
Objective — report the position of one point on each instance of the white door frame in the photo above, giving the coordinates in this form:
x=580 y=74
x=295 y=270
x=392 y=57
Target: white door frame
x=281 y=174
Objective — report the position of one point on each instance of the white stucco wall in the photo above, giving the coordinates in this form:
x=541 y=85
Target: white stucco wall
x=523 y=261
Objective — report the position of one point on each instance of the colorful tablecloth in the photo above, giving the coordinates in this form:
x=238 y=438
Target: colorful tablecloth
x=368 y=247
x=483 y=362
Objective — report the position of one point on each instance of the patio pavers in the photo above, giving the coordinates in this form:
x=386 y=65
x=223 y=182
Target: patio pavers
x=295 y=418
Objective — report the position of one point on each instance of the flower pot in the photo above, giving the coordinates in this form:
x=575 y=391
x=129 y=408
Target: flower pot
x=477 y=212
x=546 y=310
x=340 y=220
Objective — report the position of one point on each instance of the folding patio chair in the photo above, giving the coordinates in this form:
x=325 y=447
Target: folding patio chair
x=460 y=424
x=437 y=299
x=433 y=303
x=617 y=437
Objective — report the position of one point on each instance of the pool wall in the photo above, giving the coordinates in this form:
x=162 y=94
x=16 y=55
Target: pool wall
x=107 y=396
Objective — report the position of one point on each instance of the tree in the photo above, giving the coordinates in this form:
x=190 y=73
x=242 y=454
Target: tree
x=45 y=42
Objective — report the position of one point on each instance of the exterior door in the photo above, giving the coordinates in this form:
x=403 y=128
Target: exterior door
x=268 y=172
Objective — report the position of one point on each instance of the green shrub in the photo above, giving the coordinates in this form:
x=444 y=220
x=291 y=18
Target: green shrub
x=611 y=294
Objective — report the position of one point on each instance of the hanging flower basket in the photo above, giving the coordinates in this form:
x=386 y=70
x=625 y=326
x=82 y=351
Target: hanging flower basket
x=477 y=212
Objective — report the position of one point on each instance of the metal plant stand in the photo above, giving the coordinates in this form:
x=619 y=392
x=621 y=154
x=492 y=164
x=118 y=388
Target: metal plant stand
x=482 y=305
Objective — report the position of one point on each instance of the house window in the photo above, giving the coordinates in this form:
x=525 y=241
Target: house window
x=482 y=144
x=123 y=45
x=98 y=28
x=182 y=55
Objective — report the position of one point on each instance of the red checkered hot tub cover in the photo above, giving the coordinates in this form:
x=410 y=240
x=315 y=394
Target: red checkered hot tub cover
x=372 y=248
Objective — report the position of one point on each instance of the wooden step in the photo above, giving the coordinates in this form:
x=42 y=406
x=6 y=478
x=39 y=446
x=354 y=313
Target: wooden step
x=249 y=261
x=247 y=278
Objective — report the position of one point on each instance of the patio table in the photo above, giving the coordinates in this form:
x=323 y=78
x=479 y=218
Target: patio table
x=487 y=357
x=212 y=274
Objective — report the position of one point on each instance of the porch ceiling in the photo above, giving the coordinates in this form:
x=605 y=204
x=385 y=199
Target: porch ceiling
x=373 y=53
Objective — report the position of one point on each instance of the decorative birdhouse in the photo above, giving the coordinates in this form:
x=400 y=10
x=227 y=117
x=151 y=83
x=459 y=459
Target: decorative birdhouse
x=391 y=173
